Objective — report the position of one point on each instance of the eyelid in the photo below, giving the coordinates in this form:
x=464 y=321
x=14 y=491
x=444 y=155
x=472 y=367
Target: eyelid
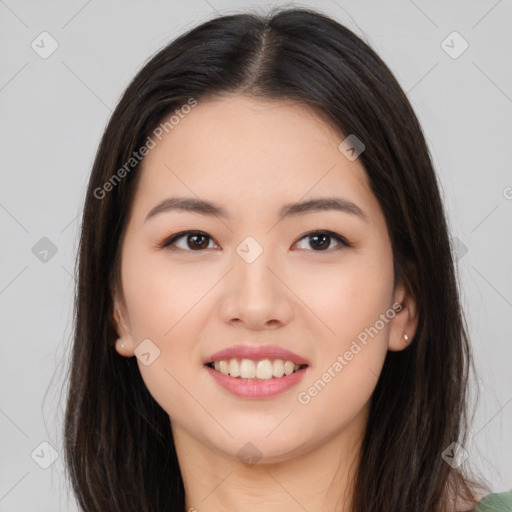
x=339 y=238
x=173 y=238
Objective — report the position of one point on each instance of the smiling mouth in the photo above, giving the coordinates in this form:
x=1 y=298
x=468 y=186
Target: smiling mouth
x=264 y=369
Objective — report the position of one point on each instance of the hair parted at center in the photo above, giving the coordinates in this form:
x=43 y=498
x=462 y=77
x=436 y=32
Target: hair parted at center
x=120 y=453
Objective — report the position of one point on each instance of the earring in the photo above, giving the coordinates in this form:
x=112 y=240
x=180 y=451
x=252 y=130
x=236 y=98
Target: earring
x=406 y=339
x=122 y=345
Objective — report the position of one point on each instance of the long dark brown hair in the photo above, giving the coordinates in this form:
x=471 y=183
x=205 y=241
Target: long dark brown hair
x=120 y=453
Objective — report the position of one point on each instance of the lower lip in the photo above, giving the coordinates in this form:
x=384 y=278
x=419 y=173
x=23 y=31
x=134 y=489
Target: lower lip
x=254 y=388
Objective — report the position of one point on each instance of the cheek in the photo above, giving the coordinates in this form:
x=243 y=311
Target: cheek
x=348 y=295
x=350 y=361
x=353 y=301
x=162 y=296
x=168 y=305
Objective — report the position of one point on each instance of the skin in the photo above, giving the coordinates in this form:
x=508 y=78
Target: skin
x=252 y=157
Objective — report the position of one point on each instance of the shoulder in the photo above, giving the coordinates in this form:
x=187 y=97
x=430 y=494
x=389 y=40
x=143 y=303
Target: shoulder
x=496 y=502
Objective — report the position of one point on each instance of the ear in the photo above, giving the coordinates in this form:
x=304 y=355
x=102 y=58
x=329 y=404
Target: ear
x=405 y=321
x=124 y=344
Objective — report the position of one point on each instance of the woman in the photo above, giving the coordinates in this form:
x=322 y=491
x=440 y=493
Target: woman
x=267 y=314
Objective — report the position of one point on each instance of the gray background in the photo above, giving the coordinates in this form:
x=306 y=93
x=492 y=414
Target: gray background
x=53 y=112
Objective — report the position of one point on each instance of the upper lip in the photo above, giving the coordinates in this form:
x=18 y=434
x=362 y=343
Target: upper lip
x=256 y=353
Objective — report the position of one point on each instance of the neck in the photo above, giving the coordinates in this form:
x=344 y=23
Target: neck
x=320 y=479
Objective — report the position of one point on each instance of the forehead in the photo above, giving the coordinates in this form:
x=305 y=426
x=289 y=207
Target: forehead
x=245 y=151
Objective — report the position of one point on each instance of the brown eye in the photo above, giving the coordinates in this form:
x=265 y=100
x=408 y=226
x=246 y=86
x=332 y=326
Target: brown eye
x=321 y=240
x=193 y=241
x=197 y=241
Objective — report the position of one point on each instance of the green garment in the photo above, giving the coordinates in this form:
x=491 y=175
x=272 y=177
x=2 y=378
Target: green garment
x=497 y=502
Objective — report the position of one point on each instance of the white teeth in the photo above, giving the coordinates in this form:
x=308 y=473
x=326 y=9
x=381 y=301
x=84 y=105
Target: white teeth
x=224 y=367
x=278 y=368
x=234 y=368
x=288 y=367
x=249 y=369
x=264 y=369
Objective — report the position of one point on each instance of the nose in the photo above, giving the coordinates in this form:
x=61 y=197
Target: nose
x=256 y=295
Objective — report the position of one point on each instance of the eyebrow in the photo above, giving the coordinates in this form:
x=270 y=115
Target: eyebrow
x=207 y=208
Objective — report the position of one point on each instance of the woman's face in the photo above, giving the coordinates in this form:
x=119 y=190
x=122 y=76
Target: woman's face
x=253 y=277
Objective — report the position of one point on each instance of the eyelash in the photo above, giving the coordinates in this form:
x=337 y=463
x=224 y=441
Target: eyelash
x=171 y=240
